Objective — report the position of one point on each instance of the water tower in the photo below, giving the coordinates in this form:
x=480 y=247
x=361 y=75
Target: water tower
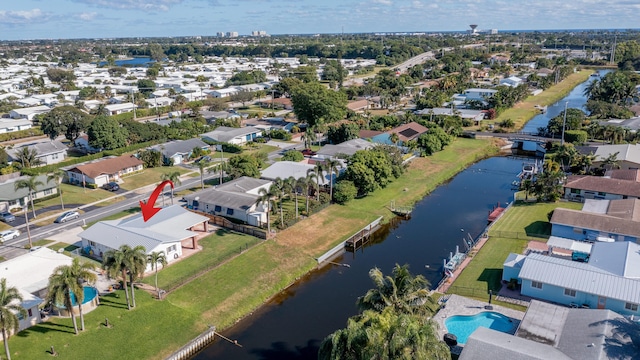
x=473 y=28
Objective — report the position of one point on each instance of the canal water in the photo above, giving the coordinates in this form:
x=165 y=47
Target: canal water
x=297 y=320
x=575 y=98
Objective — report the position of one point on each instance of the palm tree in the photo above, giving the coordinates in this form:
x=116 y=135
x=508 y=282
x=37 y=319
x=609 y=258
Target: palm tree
x=10 y=309
x=174 y=177
x=317 y=173
x=279 y=186
x=155 y=258
x=82 y=271
x=610 y=162
x=292 y=188
x=57 y=176
x=527 y=186
x=137 y=261
x=202 y=164
x=116 y=264
x=333 y=167
x=268 y=196
x=31 y=184
x=402 y=291
x=28 y=157
x=61 y=284
x=309 y=184
x=394 y=138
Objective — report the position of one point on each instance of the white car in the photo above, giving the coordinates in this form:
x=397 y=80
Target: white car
x=9 y=234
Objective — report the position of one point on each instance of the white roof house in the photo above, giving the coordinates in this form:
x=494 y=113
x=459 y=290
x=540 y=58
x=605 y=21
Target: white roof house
x=29 y=113
x=115 y=109
x=286 y=169
x=10 y=125
x=32 y=281
x=164 y=232
x=233 y=135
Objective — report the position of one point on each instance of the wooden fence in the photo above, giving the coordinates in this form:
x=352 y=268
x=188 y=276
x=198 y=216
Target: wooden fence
x=226 y=223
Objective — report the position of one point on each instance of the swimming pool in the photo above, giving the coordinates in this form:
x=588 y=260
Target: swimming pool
x=89 y=302
x=462 y=325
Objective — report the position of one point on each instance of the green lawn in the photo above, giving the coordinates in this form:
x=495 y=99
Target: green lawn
x=148 y=176
x=220 y=246
x=510 y=234
x=116 y=216
x=72 y=194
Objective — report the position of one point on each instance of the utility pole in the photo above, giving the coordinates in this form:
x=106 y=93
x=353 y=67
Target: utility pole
x=564 y=122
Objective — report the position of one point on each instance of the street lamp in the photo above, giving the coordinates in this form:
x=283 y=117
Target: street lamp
x=564 y=122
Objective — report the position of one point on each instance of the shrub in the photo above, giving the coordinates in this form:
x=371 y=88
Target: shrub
x=226 y=147
x=344 y=191
x=293 y=155
x=280 y=134
x=575 y=136
x=92 y=186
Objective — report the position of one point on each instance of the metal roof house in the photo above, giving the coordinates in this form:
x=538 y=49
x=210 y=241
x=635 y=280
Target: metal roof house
x=179 y=151
x=10 y=198
x=11 y=125
x=48 y=152
x=628 y=155
x=286 y=169
x=610 y=280
x=167 y=231
x=552 y=332
x=348 y=148
x=231 y=135
x=237 y=199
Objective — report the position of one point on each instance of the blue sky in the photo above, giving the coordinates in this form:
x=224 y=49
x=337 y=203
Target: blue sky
x=55 y=19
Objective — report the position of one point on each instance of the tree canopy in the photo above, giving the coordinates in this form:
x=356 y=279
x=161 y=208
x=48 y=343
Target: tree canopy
x=314 y=104
x=106 y=133
x=64 y=120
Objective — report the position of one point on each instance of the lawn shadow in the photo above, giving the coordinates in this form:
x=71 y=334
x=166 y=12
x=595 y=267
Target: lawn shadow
x=493 y=278
x=538 y=228
x=46 y=327
x=113 y=300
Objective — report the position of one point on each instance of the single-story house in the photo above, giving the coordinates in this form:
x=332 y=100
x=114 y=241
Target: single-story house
x=474 y=115
x=10 y=125
x=271 y=123
x=116 y=109
x=167 y=231
x=48 y=152
x=231 y=135
x=512 y=81
x=82 y=143
x=102 y=171
x=581 y=187
x=552 y=332
x=237 y=199
x=405 y=132
x=478 y=94
x=222 y=93
x=286 y=169
x=159 y=101
x=348 y=148
x=10 y=198
x=605 y=219
x=281 y=103
x=29 y=113
x=179 y=151
x=358 y=105
x=628 y=155
x=609 y=280
x=32 y=281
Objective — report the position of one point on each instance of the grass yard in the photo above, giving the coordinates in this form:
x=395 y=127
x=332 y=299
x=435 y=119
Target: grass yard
x=216 y=248
x=525 y=110
x=72 y=194
x=116 y=216
x=528 y=218
x=148 y=176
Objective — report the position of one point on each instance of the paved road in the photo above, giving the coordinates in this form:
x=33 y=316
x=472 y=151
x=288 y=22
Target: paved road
x=15 y=247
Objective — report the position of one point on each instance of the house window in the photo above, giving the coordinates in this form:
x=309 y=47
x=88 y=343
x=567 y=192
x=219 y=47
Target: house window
x=631 y=306
x=600 y=193
x=570 y=292
x=575 y=191
x=48 y=191
x=171 y=248
x=536 y=285
x=218 y=208
x=31 y=314
x=91 y=243
x=229 y=211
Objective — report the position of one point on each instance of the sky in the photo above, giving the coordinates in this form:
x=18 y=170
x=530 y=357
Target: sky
x=64 y=19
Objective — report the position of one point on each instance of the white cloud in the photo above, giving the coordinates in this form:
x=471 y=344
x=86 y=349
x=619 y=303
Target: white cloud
x=147 y=5
x=86 y=16
x=22 y=16
x=383 y=2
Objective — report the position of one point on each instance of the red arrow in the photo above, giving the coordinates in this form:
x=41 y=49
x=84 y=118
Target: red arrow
x=148 y=209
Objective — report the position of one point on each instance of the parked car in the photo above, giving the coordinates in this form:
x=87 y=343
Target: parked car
x=205 y=158
x=69 y=215
x=9 y=234
x=111 y=186
x=7 y=217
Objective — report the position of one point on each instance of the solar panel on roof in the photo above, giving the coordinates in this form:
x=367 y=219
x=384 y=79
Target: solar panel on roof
x=408 y=133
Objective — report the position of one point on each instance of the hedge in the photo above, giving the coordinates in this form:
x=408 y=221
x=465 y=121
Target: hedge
x=576 y=136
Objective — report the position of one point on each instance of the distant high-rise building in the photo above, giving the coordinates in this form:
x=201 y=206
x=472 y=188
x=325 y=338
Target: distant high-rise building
x=258 y=33
x=232 y=34
x=493 y=31
x=220 y=34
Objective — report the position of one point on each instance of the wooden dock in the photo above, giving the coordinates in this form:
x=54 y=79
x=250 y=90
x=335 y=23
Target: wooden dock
x=404 y=211
x=495 y=213
x=359 y=239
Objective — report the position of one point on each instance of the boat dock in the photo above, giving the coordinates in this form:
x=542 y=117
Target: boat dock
x=495 y=213
x=404 y=211
x=359 y=239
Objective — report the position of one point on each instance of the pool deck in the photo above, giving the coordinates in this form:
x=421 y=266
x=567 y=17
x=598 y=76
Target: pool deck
x=459 y=305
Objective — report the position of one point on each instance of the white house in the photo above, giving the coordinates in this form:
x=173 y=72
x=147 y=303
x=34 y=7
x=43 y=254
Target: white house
x=103 y=171
x=32 y=281
x=116 y=109
x=222 y=93
x=9 y=125
x=287 y=169
x=237 y=199
x=47 y=152
x=179 y=151
x=167 y=231
x=231 y=135
x=478 y=94
x=512 y=81
x=10 y=198
x=29 y=113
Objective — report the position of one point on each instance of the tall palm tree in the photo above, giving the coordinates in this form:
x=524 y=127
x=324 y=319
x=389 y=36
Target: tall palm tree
x=394 y=138
x=401 y=291
x=155 y=258
x=292 y=188
x=57 y=176
x=82 y=271
x=280 y=188
x=309 y=184
x=202 y=165
x=31 y=184
x=61 y=284
x=137 y=262
x=317 y=173
x=610 y=162
x=116 y=264
x=10 y=308
x=174 y=177
x=333 y=167
x=267 y=196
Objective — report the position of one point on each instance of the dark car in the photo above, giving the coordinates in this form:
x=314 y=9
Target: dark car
x=7 y=217
x=112 y=186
